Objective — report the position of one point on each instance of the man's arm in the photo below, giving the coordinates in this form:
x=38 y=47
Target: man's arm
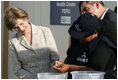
x=61 y=67
x=80 y=68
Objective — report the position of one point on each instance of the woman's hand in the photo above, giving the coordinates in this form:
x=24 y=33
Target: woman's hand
x=61 y=67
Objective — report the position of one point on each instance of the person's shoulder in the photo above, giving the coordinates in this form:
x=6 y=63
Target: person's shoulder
x=111 y=16
x=105 y=50
x=14 y=38
x=44 y=28
x=111 y=13
x=103 y=46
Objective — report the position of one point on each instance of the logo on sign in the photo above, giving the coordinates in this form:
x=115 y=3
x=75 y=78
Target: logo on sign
x=65 y=20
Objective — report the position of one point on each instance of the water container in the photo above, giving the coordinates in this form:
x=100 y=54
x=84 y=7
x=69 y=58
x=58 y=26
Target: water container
x=87 y=75
x=49 y=75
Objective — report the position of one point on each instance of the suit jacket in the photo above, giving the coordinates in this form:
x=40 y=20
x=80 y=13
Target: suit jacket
x=29 y=60
x=112 y=17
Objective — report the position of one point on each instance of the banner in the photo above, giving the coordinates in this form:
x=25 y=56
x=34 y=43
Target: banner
x=63 y=12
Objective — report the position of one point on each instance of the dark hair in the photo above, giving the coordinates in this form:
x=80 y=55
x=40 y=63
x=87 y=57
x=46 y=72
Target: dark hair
x=115 y=10
x=90 y=2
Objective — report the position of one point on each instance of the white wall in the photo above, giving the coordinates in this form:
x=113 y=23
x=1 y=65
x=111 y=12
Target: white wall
x=110 y=4
x=39 y=14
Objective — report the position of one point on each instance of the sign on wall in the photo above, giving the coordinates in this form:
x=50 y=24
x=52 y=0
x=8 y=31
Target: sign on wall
x=63 y=12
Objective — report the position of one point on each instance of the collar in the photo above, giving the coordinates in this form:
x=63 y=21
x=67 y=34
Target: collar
x=22 y=39
x=104 y=14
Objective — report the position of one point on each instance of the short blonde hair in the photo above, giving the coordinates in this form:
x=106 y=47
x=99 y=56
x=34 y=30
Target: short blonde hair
x=11 y=16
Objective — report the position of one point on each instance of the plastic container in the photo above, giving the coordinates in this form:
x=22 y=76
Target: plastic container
x=87 y=75
x=48 y=75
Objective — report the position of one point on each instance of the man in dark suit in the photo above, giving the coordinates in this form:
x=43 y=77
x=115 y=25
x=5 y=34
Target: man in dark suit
x=98 y=8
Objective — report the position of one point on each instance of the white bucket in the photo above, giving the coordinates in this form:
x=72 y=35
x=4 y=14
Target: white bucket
x=87 y=75
x=49 y=75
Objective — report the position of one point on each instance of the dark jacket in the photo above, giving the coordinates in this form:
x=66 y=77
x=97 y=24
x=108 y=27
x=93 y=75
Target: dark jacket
x=112 y=17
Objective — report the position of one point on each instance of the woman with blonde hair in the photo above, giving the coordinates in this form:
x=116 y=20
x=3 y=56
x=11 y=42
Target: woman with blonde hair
x=32 y=48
